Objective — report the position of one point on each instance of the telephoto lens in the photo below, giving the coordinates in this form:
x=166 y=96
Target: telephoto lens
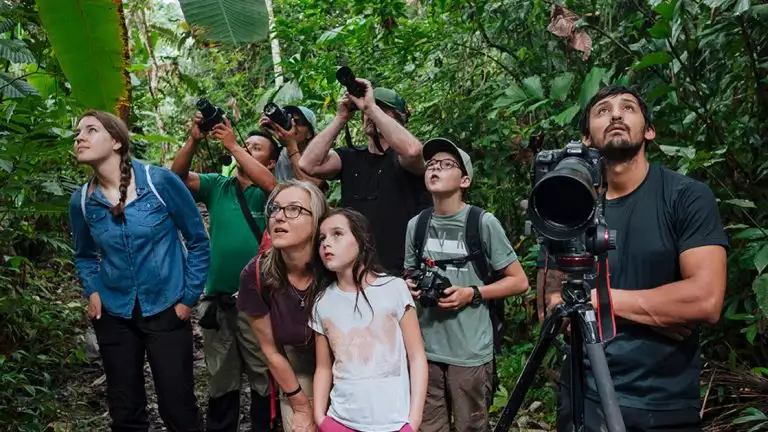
x=346 y=77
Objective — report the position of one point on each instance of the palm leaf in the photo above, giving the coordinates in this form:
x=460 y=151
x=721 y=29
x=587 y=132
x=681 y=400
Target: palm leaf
x=90 y=42
x=231 y=21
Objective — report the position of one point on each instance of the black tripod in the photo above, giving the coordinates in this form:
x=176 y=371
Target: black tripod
x=584 y=330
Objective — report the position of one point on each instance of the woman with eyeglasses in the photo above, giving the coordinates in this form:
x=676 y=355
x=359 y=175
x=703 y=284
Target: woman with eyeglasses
x=275 y=288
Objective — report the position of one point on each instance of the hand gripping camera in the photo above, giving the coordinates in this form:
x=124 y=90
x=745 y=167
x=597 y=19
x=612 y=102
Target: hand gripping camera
x=430 y=284
x=212 y=115
x=278 y=115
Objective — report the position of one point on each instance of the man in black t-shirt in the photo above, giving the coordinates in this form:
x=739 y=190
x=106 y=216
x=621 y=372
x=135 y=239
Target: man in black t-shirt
x=385 y=180
x=667 y=274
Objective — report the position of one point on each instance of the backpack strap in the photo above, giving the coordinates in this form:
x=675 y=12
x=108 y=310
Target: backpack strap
x=420 y=235
x=83 y=196
x=474 y=240
x=152 y=185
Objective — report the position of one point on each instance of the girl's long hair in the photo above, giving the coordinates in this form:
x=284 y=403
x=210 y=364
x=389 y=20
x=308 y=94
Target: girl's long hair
x=118 y=130
x=273 y=268
x=367 y=260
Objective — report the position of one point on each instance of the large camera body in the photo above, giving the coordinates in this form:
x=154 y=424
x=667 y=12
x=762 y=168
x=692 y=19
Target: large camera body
x=430 y=284
x=212 y=115
x=278 y=115
x=564 y=206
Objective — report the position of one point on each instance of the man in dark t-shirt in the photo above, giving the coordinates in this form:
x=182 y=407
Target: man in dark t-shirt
x=385 y=180
x=667 y=274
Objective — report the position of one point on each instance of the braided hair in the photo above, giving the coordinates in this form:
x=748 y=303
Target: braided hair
x=118 y=130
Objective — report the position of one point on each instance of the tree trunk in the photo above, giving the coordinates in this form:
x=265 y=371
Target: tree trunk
x=275 y=45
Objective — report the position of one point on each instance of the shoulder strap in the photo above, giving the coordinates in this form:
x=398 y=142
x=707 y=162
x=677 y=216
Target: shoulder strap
x=474 y=240
x=152 y=185
x=246 y=212
x=420 y=235
x=83 y=196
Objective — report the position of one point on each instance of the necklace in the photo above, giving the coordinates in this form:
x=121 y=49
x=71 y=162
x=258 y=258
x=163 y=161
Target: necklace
x=300 y=297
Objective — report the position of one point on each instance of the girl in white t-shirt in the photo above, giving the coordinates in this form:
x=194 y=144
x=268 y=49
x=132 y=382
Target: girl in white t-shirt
x=367 y=337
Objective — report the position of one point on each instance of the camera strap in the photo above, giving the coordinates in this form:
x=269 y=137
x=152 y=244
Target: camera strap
x=348 y=138
x=606 y=321
x=246 y=212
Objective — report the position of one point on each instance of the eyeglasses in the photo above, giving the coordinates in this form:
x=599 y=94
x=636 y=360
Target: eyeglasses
x=291 y=211
x=443 y=164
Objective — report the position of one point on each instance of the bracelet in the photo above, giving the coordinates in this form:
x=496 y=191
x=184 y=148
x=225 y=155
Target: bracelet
x=294 y=393
x=290 y=155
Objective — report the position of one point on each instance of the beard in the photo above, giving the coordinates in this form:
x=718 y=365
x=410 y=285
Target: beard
x=369 y=128
x=619 y=151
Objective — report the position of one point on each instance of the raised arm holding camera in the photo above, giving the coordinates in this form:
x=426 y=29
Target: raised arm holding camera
x=294 y=127
x=667 y=273
x=236 y=226
x=384 y=180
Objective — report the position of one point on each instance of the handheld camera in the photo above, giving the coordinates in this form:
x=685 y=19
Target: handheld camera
x=278 y=115
x=212 y=115
x=430 y=284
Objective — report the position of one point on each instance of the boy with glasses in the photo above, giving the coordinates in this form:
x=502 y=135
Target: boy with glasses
x=468 y=246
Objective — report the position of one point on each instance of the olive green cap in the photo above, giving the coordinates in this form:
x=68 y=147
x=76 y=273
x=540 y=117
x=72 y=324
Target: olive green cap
x=390 y=98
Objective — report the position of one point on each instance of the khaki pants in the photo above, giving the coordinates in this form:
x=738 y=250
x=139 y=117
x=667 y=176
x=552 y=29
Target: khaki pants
x=465 y=392
x=302 y=360
x=232 y=350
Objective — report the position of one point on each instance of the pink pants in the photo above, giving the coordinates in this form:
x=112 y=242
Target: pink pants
x=331 y=425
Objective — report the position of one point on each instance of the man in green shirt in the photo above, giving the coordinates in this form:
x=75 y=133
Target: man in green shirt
x=228 y=342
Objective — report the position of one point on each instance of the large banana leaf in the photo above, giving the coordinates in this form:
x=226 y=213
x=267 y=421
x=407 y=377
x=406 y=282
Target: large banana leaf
x=231 y=21
x=90 y=43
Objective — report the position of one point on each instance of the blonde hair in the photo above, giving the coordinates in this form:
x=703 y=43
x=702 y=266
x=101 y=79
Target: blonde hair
x=272 y=262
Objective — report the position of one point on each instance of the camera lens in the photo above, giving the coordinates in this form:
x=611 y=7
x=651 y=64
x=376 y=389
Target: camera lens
x=206 y=108
x=270 y=109
x=345 y=76
x=563 y=201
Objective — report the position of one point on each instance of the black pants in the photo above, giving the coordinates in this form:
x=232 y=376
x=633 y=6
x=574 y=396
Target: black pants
x=167 y=342
x=635 y=420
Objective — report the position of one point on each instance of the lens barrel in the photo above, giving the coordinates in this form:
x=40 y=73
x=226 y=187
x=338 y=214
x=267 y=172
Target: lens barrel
x=563 y=202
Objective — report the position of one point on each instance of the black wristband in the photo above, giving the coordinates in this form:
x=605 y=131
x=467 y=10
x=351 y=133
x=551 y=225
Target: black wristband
x=294 y=393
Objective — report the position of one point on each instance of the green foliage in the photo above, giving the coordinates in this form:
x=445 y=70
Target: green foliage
x=231 y=21
x=490 y=75
x=90 y=44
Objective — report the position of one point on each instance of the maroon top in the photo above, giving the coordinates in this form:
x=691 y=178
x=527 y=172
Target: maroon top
x=290 y=321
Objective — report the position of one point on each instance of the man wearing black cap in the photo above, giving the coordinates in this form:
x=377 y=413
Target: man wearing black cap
x=383 y=181
x=468 y=246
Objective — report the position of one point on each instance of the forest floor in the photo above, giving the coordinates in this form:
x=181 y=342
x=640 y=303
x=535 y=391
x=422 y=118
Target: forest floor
x=89 y=400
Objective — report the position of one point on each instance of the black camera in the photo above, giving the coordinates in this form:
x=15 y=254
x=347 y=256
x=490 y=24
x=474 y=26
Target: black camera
x=431 y=286
x=212 y=115
x=346 y=77
x=278 y=115
x=564 y=206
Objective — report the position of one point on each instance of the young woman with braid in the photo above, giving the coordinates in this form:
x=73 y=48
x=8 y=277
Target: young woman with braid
x=141 y=280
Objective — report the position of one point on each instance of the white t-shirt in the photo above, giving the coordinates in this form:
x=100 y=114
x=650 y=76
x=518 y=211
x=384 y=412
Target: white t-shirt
x=371 y=387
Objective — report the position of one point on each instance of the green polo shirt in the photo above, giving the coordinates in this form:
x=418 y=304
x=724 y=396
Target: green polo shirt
x=232 y=241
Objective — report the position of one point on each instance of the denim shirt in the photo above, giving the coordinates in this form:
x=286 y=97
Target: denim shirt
x=141 y=255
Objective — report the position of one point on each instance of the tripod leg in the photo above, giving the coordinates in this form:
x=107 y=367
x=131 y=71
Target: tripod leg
x=608 y=400
x=549 y=331
x=611 y=410
x=577 y=377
